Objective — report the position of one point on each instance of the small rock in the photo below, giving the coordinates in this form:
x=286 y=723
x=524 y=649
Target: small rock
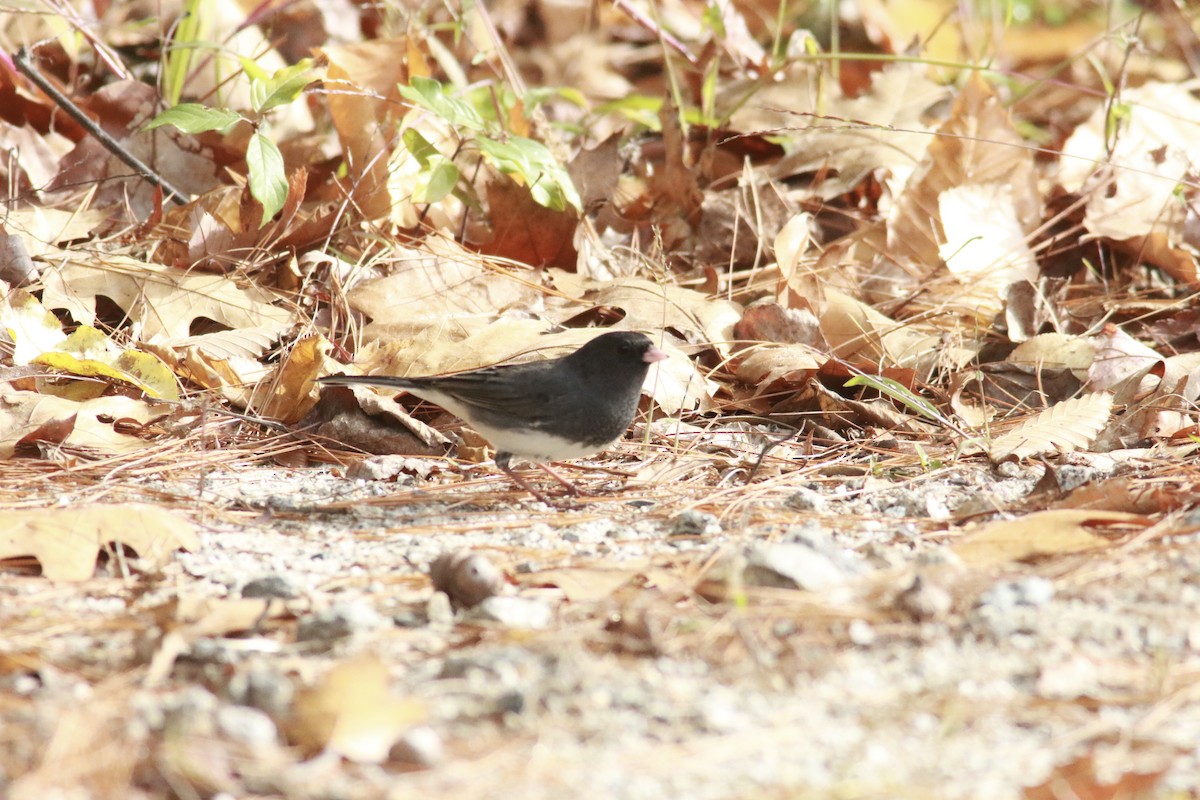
x=263 y=687
x=439 y=610
x=338 y=622
x=1033 y=591
x=1009 y=469
x=271 y=587
x=246 y=725
x=695 y=523
x=861 y=633
x=923 y=600
x=421 y=746
x=791 y=566
x=514 y=612
x=803 y=499
x=389 y=467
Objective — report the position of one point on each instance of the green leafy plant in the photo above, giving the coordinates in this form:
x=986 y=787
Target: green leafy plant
x=264 y=162
x=520 y=156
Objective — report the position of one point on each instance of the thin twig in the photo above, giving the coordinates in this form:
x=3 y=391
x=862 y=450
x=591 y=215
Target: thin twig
x=74 y=112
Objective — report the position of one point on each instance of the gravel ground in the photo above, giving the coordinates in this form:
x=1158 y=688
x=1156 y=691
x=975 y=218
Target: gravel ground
x=817 y=637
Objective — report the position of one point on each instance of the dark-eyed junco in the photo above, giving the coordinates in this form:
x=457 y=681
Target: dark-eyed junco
x=543 y=411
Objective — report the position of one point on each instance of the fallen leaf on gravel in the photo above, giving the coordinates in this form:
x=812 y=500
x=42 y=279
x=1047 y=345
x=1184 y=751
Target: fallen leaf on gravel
x=1046 y=533
x=38 y=338
x=353 y=713
x=1063 y=427
x=584 y=584
x=65 y=541
x=189 y=619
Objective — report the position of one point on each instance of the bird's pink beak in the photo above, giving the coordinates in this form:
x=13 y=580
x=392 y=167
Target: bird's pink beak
x=653 y=354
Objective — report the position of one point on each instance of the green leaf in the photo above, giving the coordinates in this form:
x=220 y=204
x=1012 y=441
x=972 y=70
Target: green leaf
x=429 y=94
x=420 y=147
x=900 y=393
x=638 y=108
x=268 y=183
x=195 y=118
x=252 y=69
x=284 y=87
x=437 y=182
x=194 y=23
x=548 y=181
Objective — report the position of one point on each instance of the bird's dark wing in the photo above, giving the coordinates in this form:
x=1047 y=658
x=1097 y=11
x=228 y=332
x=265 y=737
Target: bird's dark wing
x=516 y=390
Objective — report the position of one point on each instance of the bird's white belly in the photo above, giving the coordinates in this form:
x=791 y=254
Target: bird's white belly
x=536 y=445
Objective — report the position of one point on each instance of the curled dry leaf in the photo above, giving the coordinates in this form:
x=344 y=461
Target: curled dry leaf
x=855 y=330
x=29 y=419
x=437 y=287
x=1133 y=203
x=468 y=578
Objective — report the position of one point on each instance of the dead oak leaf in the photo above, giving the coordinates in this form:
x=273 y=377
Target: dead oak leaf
x=65 y=541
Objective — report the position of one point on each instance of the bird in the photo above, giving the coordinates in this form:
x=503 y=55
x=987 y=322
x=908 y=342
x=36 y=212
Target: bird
x=561 y=408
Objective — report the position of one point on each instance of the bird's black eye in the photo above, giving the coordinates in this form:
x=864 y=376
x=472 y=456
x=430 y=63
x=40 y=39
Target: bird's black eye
x=625 y=349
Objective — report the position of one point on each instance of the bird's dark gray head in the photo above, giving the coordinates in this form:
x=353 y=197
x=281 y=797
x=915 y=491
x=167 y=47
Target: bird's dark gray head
x=619 y=351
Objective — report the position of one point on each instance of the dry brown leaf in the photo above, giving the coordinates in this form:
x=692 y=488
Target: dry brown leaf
x=977 y=154
x=1133 y=198
x=526 y=232
x=364 y=105
x=162 y=304
x=1055 y=351
x=66 y=541
x=290 y=392
x=353 y=713
x=857 y=331
x=1119 y=356
x=697 y=316
x=1131 y=495
x=33 y=418
x=886 y=128
x=1044 y=533
x=1063 y=427
x=986 y=246
x=584 y=584
x=763 y=366
x=441 y=286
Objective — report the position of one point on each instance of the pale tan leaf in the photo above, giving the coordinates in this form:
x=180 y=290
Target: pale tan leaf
x=856 y=330
x=1055 y=351
x=161 y=303
x=1135 y=202
x=986 y=246
x=30 y=417
x=1063 y=427
x=1044 y=533
x=65 y=541
x=353 y=713
x=764 y=365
